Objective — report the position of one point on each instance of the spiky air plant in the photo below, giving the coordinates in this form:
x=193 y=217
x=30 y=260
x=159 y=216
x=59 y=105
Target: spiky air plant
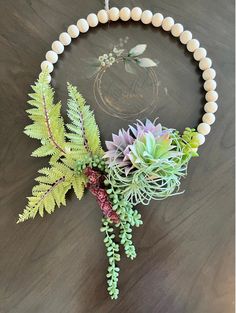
x=147 y=162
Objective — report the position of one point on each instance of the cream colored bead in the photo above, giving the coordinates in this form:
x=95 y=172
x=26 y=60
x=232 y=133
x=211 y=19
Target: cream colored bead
x=204 y=129
x=209 y=73
x=199 y=54
x=65 y=39
x=211 y=96
x=146 y=17
x=136 y=14
x=167 y=23
x=177 y=30
x=125 y=14
x=92 y=20
x=201 y=138
x=114 y=14
x=210 y=85
x=47 y=65
x=51 y=56
x=209 y=118
x=73 y=31
x=185 y=37
x=192 y=45
x=103 y=16
x=211 y=107
x=157 y=19
x=205 y=63
x=83 y=25
x=58 y=47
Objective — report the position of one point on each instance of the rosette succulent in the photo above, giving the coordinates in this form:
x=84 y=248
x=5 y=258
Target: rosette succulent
x=147 y=161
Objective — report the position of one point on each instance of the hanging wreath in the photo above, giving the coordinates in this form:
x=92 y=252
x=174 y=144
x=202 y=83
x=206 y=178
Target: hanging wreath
x=143 y=162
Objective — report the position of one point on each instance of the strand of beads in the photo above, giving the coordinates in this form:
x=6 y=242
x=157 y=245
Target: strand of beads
x=157 y=20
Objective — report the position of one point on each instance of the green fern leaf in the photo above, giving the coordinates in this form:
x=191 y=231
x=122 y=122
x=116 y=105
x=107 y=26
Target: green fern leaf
x=48 y=125
x=78 y=184
x=83 y=127
x=50 y=191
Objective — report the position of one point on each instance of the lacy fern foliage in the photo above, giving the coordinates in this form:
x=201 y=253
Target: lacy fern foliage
x=48 y=127
x=84 y=132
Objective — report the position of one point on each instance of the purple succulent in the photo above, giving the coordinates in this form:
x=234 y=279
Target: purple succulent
x=148 y=127
x=118 y=150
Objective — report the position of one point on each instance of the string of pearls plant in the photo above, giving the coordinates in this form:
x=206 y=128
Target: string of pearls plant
x=158 y=21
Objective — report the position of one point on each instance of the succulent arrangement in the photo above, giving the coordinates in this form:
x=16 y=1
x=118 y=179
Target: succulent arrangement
x=144 y=162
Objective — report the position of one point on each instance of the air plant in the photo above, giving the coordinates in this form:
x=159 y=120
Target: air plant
x=147 y=162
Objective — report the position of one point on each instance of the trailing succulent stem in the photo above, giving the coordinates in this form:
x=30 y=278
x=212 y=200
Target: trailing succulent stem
x=113 y=258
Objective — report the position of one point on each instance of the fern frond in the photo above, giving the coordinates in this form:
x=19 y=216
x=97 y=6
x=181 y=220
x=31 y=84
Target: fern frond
x=48 y=125
x=53 y=184
x=50 y=191
x=83 y=129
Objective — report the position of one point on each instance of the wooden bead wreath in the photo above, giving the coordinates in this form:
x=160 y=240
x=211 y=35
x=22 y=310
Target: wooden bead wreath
x=144 y=162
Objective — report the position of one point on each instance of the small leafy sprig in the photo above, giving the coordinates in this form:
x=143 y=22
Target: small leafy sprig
x=130 y=59
x=133 y=57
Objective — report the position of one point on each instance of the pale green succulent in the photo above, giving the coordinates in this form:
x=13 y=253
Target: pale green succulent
x=148 y=151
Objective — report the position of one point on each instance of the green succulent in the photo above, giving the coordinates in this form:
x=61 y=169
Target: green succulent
x=149 y=151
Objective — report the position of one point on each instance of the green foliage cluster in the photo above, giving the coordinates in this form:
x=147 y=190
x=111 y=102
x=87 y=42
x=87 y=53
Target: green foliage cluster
x=48 y=127
x=75 y=146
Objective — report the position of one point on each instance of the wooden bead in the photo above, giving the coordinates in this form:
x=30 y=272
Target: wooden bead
x=209 y=118
x=157 y=19
x=209 y=73
x=192 y=45
x=103 y=16
x=114 y=14
x=51 y=57
x=211 y=107
x=185 y=37
x=210 y=85
x=58 y=47
x=136 y=14
x=211 y=96
x=205 y=63
x=177 y=30
x=92 y=20
x=204 y=129
x=146 y=17
x=167 y=23
x=47 y=65
x=199 y=54
x=83 y=25
x=73 y=31
x=201 y=138
x=65 y=39
x=125 y=14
